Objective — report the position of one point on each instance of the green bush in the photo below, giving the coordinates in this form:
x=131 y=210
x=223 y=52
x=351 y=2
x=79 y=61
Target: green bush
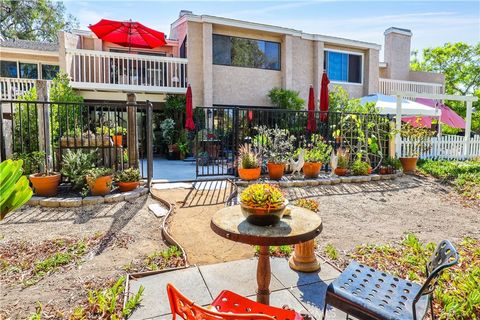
x=286 y=99
x=360 y=168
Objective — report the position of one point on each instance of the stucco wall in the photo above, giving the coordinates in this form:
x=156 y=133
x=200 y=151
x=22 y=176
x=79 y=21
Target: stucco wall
x=195 y=61
x=421 y=76
x=30 y=58
x=397 y=55
x=303 y=66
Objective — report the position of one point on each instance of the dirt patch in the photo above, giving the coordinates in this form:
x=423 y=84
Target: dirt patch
x=353 y=214
x=128 y=232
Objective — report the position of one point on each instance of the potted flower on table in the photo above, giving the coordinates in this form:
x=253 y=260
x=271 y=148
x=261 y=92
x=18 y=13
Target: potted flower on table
x=128 y=179
x=248 y=163
x=263 y=204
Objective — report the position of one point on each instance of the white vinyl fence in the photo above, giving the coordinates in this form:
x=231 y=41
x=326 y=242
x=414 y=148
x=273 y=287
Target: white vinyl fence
x=447 y=147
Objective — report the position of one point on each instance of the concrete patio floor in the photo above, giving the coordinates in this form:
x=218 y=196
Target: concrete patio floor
x=303 y=292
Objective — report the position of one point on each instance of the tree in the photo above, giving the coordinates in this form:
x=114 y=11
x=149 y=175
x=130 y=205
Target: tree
x=460 y=63
x=34 y=19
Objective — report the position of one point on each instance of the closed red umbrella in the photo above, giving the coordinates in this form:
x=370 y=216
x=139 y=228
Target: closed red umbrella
x=128 y=34
x=189 y=124
x=311 y=124
x=324 y=98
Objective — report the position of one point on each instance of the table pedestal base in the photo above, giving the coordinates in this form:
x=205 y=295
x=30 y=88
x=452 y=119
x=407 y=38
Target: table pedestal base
x=263 y=276
x=303 y=259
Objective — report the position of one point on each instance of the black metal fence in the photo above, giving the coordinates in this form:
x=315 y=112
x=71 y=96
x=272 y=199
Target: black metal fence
x=221 y=130
x=50 y=129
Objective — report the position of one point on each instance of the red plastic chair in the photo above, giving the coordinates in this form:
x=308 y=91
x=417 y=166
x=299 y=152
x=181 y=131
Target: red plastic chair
x=229 y=306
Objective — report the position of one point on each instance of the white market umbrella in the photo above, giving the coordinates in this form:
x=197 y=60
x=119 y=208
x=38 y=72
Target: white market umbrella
x=388 y=105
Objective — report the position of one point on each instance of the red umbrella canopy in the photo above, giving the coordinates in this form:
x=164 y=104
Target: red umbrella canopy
x=311 y=124
x=324 y=98
x=128 y=34
x=189 y=124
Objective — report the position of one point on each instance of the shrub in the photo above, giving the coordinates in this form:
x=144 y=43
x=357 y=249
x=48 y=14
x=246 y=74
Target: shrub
x=280 y=144
x=168 y=130
x=286 y=99
x=128 y=175
x=262 y=195
x=320 y=152
x=360 y=168
x=75 y=165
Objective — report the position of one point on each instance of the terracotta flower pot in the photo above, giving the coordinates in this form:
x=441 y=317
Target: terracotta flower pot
x=383 y=170
x=275 y=170
x=312 y=169
x=128 y=186
x=249 y=174
x=118 y=140
x=263 y=216
x=45 y=186
x=409 y=164
x=341 y=171
x=369 y=170
x=101 y=186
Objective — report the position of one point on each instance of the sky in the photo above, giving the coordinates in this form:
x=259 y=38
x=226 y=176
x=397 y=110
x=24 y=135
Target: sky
x=433 y=23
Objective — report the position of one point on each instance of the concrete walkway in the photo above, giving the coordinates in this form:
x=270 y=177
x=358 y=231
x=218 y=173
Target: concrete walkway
x=303 y=292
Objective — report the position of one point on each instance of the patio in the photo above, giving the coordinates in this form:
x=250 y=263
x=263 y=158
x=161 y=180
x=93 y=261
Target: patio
x=303 y=292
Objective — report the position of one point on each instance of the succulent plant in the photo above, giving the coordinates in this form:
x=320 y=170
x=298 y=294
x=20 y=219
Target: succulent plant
x=128 y=175
x=14 y=187
x=262 y=195
x=247 y=159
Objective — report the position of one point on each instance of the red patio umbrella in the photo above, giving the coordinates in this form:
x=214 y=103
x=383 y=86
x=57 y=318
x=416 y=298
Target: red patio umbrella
x=128 y=34
x=324 y=98
x=311 y=124
x=189 y=124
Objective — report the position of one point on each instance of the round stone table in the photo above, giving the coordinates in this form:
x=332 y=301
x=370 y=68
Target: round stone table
x=300 y=226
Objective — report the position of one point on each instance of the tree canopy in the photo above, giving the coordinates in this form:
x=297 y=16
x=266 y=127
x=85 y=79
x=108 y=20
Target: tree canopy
x=460 y=63
x=34 y=19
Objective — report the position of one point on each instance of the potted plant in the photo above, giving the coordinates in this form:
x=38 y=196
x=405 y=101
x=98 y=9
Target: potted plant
x=183 y=146
x=277 y=151
x=248 y=163
x=315 y=158
x=117 y=135
x=168 y=134
x=342 y=164
x=128 y=179
x=103 y=136
x=263 y=204
x=45 y=183
x=75 y=165
x=360 y=168
x=419 y=138
x=71 y=138
x=99 y=180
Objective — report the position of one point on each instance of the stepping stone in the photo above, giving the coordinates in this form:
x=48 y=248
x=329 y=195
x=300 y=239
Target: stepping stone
x=155 y=300
x=158 y=210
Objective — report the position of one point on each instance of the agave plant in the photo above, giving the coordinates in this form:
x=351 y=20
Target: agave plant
x=14 y=187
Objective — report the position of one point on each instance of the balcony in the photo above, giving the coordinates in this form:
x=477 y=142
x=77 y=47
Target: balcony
x=390 y=86
x=109 y=71
x=14 y=88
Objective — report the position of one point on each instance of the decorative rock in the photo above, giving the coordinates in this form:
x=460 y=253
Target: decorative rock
x=346 y=179
x=35 y=201
x=93 y=200
x=50 y=202
x=114 y=197
x=375 y=177
x=158 y=210
x=70 y=202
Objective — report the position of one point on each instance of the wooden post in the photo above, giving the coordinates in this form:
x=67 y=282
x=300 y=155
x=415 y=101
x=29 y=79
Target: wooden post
x=149 y=143
x=43 y=121
x=263 y=276
x=303 y=258
x=132 y=136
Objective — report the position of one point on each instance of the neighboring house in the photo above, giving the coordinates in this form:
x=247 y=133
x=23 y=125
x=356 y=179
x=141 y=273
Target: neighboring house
x=227 y=62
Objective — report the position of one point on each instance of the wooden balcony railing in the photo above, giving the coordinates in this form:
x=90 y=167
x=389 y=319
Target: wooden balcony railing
x=14 y=88
x=103 y=70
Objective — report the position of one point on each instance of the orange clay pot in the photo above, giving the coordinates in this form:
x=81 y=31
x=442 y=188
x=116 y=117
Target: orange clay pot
x=101 y=186
x=409 y=164
x=312 y=169
x=370 y=170
x=249 y=174
x=275 y=170
x=45 y=186
x=341 y=171
x=118 y=140
x=128 y=186
x=383 y=170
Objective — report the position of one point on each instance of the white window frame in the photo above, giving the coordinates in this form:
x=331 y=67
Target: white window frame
x=361 y=54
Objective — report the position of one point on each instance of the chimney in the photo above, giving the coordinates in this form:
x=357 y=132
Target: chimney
x=184 y=12
x=397 y=53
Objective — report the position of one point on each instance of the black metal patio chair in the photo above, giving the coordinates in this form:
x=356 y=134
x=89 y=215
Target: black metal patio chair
x=366 y=293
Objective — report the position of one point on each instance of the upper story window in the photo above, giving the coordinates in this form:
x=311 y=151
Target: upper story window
x=28 y=70
x=8 y=69
x=344 y=67
x=16 y=69
x=243 y=52
x=49 y=71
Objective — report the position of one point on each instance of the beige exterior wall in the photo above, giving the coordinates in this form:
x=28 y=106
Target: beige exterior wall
x=34 y=57
x=397 y=54
x=195 y=61
x=421 y=76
